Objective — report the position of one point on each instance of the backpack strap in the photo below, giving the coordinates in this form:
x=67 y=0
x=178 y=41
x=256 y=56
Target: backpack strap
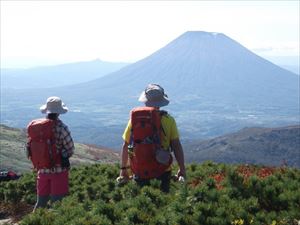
x=51 y=143
x=157 y=134
x=131 y=137
x=163 y=113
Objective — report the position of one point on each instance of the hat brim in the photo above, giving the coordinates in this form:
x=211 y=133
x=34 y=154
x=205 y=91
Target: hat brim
x=60 y=110
x=162 y=102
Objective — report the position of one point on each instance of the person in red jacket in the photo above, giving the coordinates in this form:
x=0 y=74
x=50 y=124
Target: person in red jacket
x=53 y=183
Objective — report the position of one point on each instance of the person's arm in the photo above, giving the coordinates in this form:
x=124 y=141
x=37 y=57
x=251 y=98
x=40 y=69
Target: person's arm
x=28 y=151
x=67 y=141
x=124 y=160
x=178 y=152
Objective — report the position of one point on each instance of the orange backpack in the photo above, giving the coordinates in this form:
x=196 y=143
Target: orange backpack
x=42 y=145
x=145 y=143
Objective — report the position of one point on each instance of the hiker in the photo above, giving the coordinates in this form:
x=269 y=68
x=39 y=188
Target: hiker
x=49 y=147
x=150 y=136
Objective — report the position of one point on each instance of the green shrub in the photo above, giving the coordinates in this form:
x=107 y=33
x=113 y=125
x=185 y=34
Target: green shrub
x=213 y=194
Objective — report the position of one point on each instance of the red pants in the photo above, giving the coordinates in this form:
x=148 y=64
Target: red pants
x=53 y=184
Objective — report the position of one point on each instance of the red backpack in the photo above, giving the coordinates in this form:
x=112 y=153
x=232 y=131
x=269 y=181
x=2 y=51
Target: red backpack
x=145 y=143
x=42 y=144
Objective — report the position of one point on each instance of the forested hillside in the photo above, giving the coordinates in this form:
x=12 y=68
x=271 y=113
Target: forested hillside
x=253 y=145
x=214 y=194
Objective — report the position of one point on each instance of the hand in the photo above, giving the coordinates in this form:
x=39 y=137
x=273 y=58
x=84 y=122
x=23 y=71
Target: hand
x=124 y=173
x=181 y=172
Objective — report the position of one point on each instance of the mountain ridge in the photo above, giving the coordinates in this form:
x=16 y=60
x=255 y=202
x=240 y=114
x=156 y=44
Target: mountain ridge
x=265 y=146
x=253 y=145
x=57 y=75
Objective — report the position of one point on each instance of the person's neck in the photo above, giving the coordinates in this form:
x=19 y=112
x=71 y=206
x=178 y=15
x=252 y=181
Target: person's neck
x=52 y=116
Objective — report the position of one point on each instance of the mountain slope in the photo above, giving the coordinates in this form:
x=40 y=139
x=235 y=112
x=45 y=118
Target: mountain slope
x=267 y=146
x=59 y=75
x=293 y=68
x=13 y=156
x=209 y=65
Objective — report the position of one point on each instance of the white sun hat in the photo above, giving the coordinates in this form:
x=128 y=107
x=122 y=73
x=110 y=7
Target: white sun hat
x=54 y=105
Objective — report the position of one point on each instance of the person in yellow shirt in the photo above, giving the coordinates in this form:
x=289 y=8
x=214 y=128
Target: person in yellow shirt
x=154 y=96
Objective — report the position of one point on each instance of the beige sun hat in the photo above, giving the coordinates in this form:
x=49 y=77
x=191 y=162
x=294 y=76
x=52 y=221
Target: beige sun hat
x=154 y=96
x=54 y=105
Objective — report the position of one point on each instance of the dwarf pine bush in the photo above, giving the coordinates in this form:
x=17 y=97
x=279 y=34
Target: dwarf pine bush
x=212 y=194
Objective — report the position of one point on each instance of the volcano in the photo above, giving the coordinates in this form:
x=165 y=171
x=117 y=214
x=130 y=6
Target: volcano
x=202 y=65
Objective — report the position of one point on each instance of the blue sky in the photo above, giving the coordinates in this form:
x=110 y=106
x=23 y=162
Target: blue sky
x=50 y=32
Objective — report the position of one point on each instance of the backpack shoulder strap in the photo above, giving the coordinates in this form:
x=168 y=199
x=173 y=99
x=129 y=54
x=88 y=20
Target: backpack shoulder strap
x=163 y=113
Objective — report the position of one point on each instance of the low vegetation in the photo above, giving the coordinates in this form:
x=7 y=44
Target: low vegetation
x=212 y=194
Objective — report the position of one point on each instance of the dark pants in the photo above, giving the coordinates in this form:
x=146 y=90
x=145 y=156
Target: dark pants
x=165 y=179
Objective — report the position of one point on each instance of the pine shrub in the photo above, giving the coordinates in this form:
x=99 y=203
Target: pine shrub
x=212 y=194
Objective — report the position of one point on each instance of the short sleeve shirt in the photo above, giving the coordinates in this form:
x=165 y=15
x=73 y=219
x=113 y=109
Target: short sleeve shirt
x=169 y=127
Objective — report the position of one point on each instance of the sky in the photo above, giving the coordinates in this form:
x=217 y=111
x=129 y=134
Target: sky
x=35 y=33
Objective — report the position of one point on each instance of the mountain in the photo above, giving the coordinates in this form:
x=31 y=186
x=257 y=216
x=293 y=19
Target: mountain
x=215 y=86
x=293 y=68
x=257 y=145
x=13 y=156
x=59 y=75
x=290 y=63
x=209 y=65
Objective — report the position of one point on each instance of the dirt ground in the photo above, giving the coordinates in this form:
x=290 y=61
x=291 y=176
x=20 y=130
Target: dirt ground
x=12 y=213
